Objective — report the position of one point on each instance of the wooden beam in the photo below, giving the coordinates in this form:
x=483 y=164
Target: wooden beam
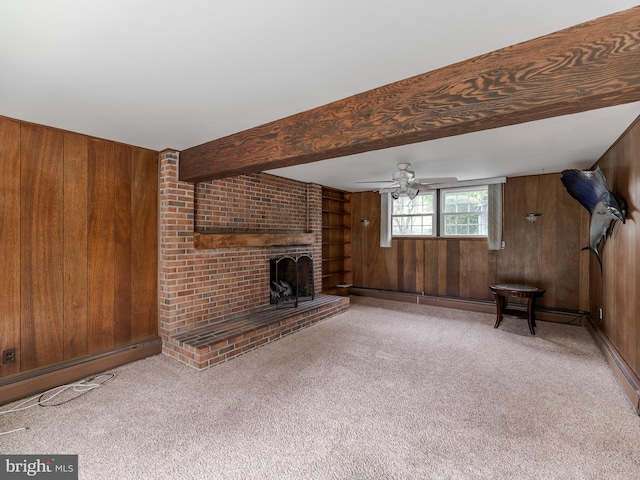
x=254 y=239
x=588 y=66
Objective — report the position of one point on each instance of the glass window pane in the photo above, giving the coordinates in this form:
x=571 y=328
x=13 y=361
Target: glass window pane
x=465 y=211
x=413 y=217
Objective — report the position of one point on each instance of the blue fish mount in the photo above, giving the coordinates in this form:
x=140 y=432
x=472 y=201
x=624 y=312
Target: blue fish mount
x=590 y=188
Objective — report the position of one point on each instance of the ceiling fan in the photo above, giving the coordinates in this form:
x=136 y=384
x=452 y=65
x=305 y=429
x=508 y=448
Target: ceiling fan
x=404 y=181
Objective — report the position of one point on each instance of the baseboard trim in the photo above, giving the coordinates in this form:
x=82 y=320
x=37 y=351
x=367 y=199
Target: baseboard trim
x=625 y=376
x=23 y=385
x=569 y=317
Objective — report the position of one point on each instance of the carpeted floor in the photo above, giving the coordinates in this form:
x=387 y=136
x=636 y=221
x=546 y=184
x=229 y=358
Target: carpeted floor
x=385 y=391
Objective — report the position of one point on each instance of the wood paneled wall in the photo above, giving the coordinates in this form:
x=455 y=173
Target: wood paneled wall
x=615 y=289
x=546 y=254
x=78 y=233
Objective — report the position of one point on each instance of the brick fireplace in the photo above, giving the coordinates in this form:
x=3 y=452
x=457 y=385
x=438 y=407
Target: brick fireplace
x=200 y=287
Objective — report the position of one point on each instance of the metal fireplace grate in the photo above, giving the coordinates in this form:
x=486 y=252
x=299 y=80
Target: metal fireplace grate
x=291 y=280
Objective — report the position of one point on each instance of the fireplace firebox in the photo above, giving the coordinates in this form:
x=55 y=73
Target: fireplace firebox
x=291 y=280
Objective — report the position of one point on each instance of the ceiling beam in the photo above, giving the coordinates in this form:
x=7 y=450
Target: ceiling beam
x=588 y=66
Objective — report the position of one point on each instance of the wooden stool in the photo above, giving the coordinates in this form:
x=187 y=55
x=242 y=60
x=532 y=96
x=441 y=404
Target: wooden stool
x=503 y=290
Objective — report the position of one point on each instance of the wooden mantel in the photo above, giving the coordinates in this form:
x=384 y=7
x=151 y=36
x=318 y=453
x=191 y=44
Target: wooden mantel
x=592 y=65
x=251 y=239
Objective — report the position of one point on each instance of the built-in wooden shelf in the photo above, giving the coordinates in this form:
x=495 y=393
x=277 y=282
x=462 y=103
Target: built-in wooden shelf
x=333 y=198
x=333 y=259
x=251 y=239
x=336 y=239
x=333 y=212
x=335 y=274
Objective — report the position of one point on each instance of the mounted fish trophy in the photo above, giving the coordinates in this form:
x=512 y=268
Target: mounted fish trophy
x=590 y=188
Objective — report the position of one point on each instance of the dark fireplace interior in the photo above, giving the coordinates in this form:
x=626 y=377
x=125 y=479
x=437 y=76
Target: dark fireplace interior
x=291 y=280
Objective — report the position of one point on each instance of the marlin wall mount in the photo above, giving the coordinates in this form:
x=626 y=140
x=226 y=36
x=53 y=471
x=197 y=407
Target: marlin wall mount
x=590 y=188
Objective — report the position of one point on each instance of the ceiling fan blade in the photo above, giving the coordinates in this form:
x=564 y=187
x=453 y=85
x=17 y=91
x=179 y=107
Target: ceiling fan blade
x=379 y=181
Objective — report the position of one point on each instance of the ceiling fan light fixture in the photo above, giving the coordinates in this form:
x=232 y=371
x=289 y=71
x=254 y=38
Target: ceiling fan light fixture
x=412 y=193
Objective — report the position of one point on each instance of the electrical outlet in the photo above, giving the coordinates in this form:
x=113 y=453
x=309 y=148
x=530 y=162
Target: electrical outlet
x=8 y=356
x=600 y=313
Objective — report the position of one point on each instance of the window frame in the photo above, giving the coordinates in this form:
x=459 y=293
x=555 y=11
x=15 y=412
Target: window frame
x=433 y=215
x=443 y=214
x=438 y=215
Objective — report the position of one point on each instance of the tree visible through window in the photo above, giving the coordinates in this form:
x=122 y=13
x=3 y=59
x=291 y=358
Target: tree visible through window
x=465 y=212
x=414 y=217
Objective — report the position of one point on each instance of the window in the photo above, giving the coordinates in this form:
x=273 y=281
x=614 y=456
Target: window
x=443 y=213
x=414 y=217
x=465 y=212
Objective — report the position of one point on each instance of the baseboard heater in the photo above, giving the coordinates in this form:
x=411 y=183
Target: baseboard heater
x=545 y=314
x=22 y=385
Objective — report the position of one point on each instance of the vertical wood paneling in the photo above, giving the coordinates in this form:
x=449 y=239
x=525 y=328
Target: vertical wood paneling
x=596 y=292
x=10 y=242
x=511 y=268
x=583 y=278
x=42 y=252
x=122 y=243
x=387 y=277
x=76 y=292
x=400 y=271
x=615 y=289
x=465 y=277
x=549 y=242
x=430 y=258
x=101 y=248
x=546 y=254
x=478 y=277
x=443 y=267
x=610 y=282
x=532 y=232
x=626 y=247
x=630 y=188
x=360 y=251
x=571 y=236
x=627 y=306
x=492 y=272
x=406 y=271
x=419 y=266
x=569 y=244
x=78 y=233
x=453 y=267
x=144 y=261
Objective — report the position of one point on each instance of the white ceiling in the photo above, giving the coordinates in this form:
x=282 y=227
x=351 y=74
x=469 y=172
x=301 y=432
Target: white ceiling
x=175 y=74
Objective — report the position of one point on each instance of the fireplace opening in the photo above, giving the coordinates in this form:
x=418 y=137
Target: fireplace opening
x=291 y=280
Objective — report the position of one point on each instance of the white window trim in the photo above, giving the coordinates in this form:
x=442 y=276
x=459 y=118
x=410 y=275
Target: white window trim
x=386 y=207
x=442 y=214
x=433 y=215
x=494 y=238
x=495 y=216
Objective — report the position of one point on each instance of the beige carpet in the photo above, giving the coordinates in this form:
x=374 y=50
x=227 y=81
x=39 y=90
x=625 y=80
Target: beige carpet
x=385 y=391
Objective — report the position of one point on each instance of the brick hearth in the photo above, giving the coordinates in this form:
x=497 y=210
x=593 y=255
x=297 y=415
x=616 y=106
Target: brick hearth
x=222 y=340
